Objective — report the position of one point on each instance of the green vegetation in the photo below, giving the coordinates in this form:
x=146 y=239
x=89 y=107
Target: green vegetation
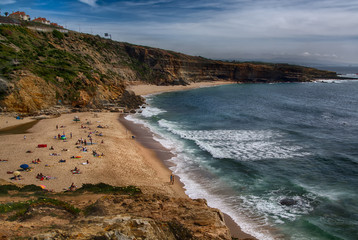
x=35 y=52
x=4 y=189
x=57 y=34
x=38 y=52
x=21 y=208
x=106 y=188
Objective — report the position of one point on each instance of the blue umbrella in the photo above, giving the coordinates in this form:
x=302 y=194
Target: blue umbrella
x=24 y=166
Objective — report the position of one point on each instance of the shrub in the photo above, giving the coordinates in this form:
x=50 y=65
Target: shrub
x=106 y=188
x=57 y=34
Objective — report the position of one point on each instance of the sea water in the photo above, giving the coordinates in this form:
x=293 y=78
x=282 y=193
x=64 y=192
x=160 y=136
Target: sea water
x=280 y=159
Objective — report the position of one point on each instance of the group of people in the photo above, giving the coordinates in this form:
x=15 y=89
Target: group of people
x=83 y=141
x=41 y=177
x=36 y=161
x=95 y=154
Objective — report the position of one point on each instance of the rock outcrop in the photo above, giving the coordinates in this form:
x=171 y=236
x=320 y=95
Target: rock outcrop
x=155 y=217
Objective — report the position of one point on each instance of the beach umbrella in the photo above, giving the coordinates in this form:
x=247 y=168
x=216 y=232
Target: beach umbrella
x=24 y=166
x=17 y=173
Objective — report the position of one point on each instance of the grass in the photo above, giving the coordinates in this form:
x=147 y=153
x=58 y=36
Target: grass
x=4 y=189
x=106 y=188
x=21 y=208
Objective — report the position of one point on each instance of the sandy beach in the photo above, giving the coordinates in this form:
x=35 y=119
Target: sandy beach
x=135 y=161
x=125 y=162
x=146 y=89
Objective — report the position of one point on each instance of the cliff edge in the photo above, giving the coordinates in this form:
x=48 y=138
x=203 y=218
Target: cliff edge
x=39 y=69
x=93 y=213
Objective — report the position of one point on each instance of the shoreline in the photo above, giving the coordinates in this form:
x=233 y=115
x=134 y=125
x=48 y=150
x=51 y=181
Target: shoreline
x=144 y=136
x=140 y=163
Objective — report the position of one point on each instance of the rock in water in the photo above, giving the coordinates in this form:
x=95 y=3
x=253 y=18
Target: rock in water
x=288 y=202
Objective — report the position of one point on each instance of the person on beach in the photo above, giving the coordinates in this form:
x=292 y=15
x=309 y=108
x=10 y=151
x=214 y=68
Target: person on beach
x=171 y=179
x=24 y=137
x=73 y=187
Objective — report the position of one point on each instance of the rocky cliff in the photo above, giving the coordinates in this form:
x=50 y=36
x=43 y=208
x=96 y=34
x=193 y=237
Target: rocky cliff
x=39 y=69
x=39 y=215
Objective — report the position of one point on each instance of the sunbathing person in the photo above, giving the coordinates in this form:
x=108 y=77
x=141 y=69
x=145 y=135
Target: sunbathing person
x=76 y=171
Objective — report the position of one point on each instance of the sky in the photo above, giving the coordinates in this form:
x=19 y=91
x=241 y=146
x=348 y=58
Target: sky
x=305 y=32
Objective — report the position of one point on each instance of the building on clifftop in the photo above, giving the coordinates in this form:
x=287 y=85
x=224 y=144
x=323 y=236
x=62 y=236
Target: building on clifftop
x=42 y=20
x=20 y=16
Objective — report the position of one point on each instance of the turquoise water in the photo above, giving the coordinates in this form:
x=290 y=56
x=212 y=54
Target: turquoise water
x=280 y=159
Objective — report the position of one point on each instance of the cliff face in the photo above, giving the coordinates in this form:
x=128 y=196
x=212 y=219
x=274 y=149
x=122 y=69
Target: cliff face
x=175 y=68
x=85 y=216
x=87 y=71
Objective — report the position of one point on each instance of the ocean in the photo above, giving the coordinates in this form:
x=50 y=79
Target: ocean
x=280 y=159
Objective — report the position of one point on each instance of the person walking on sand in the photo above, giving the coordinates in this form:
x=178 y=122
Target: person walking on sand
x=171 y=179
x=24 y=137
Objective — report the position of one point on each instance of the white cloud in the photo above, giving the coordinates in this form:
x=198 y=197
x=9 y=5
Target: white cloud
x=4 y=2
x=242 y=29
x=92 y=3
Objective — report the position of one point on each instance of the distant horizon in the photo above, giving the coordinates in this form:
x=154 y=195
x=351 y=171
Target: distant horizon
x=319 y=32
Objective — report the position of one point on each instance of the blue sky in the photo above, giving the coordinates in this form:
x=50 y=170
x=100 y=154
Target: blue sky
x=294 y=31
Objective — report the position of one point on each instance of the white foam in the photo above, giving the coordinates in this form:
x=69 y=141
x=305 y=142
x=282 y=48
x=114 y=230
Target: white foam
x=132 y=118
x=349 y=75
x=231 y=205
x=242 y=145
x=270 y=206
x=332 y=194
x=151 y=111
x=236 y=144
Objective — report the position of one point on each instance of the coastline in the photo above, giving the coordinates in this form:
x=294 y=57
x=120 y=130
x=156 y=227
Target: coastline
x=126 y=161
x=145 y=137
